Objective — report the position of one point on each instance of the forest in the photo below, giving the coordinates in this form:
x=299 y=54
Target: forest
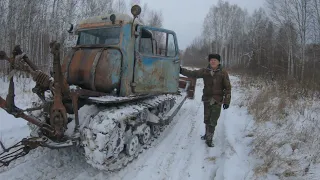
x=280 y=41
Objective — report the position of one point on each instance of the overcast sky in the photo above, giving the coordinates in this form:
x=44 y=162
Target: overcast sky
x=185 y=17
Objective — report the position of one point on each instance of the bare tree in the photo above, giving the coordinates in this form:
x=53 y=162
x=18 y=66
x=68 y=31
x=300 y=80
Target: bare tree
x=155 y=20
x=222 y=26
x=120 y=6
x=296 y=12
x=316 y=20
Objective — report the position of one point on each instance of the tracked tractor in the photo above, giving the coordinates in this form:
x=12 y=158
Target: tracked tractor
x=123 y=76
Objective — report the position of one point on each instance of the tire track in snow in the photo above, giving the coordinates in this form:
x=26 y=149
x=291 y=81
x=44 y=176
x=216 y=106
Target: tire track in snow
x=158 y=164
x=193 y=163
x=168 y=148
x=200 y=162
x=190 y=141
x=173 y=152
x=192 y=133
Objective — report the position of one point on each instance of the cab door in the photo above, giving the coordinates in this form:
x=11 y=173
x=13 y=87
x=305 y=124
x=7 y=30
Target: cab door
x=157 y=61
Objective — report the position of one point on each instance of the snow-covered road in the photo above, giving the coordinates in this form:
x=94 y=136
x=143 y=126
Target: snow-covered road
x=179 y=153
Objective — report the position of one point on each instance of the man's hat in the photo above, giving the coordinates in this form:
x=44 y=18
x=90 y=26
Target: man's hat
x=214 y=56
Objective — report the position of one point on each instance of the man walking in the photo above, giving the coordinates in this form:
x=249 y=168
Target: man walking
x=216 y=93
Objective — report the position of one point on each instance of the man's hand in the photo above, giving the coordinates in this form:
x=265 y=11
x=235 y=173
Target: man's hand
x=225 y=106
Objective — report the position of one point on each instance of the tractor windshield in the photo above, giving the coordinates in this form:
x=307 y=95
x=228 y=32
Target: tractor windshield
x=108 y=36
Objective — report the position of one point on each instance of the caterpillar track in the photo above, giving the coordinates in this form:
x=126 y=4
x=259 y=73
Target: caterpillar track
x=117 y=135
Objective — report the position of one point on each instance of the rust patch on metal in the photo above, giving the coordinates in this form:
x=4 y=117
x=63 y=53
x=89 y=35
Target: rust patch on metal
x=80 y=67
x=108 y=69
x=58 y=113
x=103 y=73
x=93 y=69
x=158 y=72
x=66 y=63
x=99 y=24
x=87 y=65
x=93 y=25
x=75 y=62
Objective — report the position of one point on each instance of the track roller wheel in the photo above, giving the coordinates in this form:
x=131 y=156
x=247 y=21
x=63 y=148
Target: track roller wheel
x=166 y=107
x=143 y=116
x=145 y=137
x=155 y=130
x=132 y=145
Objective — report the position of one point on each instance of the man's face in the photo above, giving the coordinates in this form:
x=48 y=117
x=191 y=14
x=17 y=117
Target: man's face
x=214 y=63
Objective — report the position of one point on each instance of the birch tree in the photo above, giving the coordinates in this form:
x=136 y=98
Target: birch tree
x=316 y=20
x=296 y=12
x=120 y=6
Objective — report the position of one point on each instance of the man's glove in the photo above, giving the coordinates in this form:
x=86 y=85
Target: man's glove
x=225 y=106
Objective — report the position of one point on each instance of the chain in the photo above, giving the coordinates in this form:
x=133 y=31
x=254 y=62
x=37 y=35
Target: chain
x=19 y=149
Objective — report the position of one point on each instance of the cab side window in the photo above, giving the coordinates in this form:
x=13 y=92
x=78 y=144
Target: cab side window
x=146 y=46
x=157 y=43
x=171 y=48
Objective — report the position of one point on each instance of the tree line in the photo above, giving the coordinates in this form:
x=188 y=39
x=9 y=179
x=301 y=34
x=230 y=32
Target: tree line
x=280 y=41
x=32 y=24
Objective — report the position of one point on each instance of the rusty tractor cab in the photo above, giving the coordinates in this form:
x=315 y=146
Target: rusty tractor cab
x=129 y=73
x=115 y=54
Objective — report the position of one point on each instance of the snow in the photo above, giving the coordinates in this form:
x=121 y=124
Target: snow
x=13 y=129
x=109 y=98
x=178 y=153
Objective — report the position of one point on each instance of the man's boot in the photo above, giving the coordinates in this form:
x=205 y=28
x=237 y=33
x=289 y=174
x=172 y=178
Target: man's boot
x=209 y=140
x=204 y=137
x=209 y=143
x=210 y=133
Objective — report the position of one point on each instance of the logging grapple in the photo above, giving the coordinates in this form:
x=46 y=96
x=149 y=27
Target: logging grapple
x=122 y=70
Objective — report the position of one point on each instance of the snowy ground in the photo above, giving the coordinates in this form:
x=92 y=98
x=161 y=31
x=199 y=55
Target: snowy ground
x=179 y=153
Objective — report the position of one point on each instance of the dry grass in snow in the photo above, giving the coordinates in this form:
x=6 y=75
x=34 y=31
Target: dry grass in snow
x=287 y=130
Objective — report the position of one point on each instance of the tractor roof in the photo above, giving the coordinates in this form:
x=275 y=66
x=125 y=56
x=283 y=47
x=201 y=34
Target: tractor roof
x=125 y=18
